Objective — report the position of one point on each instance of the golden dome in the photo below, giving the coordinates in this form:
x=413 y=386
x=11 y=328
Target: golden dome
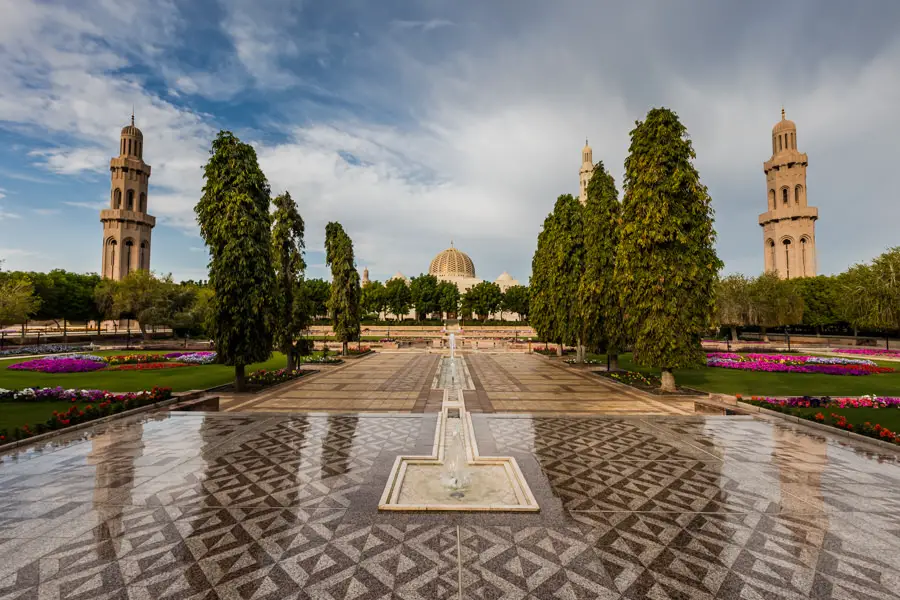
x=784 y=124
x=452 y=263
x=131 y=130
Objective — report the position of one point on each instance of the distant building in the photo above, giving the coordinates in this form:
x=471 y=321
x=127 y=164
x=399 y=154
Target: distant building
x=126 y=224
x=789 y=224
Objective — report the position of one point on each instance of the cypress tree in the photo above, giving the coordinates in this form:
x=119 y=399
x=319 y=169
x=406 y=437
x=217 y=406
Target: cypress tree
x=234 y=219
x=666 y=264
x=598 y=292
x=343 y=304
x=287 y=256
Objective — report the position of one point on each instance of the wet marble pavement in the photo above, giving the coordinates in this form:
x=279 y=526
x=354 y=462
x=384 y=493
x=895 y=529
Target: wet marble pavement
x=204 y=506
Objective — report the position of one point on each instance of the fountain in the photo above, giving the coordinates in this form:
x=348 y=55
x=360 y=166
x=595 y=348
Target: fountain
x=455 y=476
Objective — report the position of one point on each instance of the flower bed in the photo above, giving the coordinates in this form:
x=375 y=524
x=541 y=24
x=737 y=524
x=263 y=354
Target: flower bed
x=808 y=407
x=633 y=378
x=869 y=352
x=101 y=404
x=41 y=349
x=59 y=364
x=351 y=351
x=550 y=351
x=194 y=358
x=149 y=366
x=319 y=360
x=265 y=377
x=131 y=359
x=783 y=363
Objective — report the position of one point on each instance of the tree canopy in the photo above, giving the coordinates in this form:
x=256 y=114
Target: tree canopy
x=343 y=304
x=287 y=259
x=774 y=302
x=666 y=263
x=448 y=297
x=235 y=223
x=733 y=302
x=515 y=300
x=484 y=298
x=374 y=298
x=397 y=297
x=423 y=295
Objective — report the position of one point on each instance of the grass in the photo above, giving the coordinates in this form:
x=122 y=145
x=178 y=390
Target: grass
x=749 y=383
x=180 y=379
x=16 y=414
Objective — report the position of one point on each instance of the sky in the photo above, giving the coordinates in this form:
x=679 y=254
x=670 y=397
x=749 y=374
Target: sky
x=414 y=123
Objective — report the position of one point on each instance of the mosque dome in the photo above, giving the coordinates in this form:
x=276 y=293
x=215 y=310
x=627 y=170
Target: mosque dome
x=784 y=125
x=131 y=131
x=504 y=277
x=452 y=263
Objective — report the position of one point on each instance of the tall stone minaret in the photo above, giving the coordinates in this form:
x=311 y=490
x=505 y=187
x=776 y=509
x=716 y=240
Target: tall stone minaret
x=587 y=169
x=126 y=224
x=789 y=224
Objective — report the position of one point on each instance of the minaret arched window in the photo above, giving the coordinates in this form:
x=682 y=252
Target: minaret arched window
x=143 y=262
x=771 y=199
x=129 y=200
x=142 y=206
x=803 y=256
x=117 y=198
x=128 y=247
x=111 y=259
x=771 y=255
x=784 y=196
x=798 y=190
x=787 y=258
x=779 y=143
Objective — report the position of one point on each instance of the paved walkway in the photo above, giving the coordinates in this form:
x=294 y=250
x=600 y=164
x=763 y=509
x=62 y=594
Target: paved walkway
x=193 y=506
x=502 y=382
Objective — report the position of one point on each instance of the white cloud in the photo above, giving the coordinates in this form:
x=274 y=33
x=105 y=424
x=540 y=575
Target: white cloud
x=45 y=212
x=8 y=215
x=88 y=205
x=423 y=25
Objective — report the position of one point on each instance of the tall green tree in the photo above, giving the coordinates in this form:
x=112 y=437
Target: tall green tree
x=484 y=298
x=235 y=223
x=139 y=296
x=317 y=293
x=423 y=293
x=398 y=297
x=374 y=298
x=774 y=302
x=733 y=302
x=556 y=275
x=343 y=304
x=871 y=293
x=17 y=300
x=448 y=298
x=819 y=301
x=666 y=264
x=515 y=300
x=598 y=293
x=287 y=259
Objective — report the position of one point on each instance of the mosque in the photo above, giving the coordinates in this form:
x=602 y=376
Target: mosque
x=789 y=224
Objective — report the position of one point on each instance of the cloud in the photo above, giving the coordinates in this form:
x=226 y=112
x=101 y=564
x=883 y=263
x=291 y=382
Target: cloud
x=8 y=215
x=45 y=212
x=88 y=205
x=423 y=25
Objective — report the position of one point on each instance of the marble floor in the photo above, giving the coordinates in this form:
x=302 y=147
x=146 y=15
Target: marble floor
x=262 y=506
x=502 y=382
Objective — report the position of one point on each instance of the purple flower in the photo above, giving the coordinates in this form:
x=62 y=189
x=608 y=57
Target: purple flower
x=59 y=365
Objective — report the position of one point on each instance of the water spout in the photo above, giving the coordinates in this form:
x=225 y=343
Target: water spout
x=456 y=473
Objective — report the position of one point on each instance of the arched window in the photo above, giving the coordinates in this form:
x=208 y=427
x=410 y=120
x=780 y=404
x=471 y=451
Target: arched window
x=803 y=256
x=139 y=146
x=771 y=199
x=111 y=259
x=779 y=143
x=784 y=196
x=128 y=246
x=143 y=263
x=129 y=200
x=787 y=258
x=771 y=255
x=117 y=198
x=773 y=144
x=143 y=204
x=798 y=191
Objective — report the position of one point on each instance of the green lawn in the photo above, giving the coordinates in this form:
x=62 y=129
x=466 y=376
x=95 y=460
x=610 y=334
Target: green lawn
x=749 y=383
x=886 y=417
x=179 y=379
x=16 y=414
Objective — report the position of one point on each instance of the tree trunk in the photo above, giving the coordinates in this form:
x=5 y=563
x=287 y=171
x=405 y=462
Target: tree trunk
x=668 y=381
x=559 y=349
x=290 y=360
x=734 y=334
x=613 y=362
x=765 y=335
x=22 y=340
x=344 y=348
x=144 y=333
x=239 y=378
x=65 y=332
x=99 y=324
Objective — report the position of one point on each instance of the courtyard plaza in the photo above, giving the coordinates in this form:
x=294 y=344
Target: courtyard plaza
x=270 y=500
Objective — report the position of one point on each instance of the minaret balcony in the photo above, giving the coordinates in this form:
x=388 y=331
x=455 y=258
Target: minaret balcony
x=785 y=159
x=788 y=214
x=118 y=214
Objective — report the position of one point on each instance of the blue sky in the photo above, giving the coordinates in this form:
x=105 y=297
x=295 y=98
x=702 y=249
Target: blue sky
x=414 y=123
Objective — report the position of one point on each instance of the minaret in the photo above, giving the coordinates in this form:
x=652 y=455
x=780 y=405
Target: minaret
x=126 y=224
x=789 y=225
x=365 y=278
x=587 y=169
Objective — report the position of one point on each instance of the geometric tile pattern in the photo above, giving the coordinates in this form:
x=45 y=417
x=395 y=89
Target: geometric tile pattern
x=191 y=506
